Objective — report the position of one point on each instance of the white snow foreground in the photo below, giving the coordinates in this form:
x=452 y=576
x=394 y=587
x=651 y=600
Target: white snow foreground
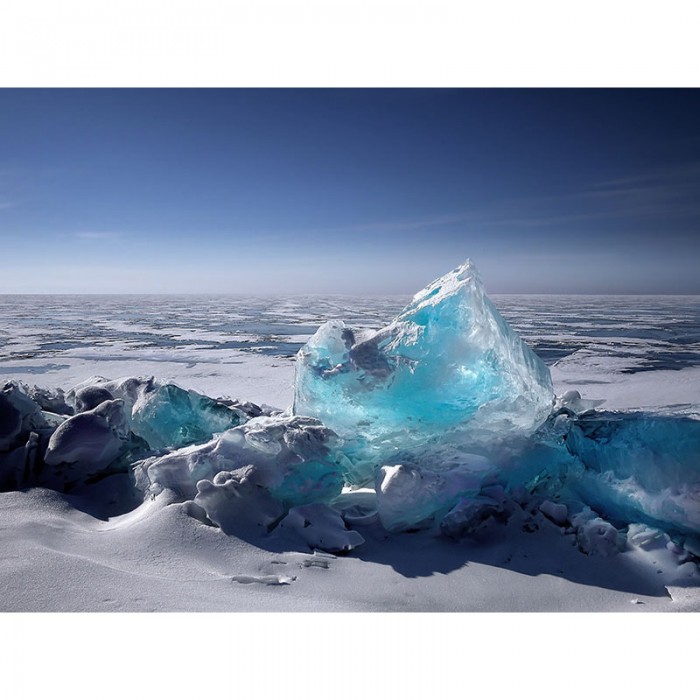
x=436 y=448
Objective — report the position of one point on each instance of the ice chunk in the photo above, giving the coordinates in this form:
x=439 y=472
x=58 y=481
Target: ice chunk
x=24 y=434
x=10 y=421
x=319 y=527
x=639 y=468
x=410 y=497
x=90 y=397
x=51 y=400
x=469 y=514
x=447 y=368
x=570 y=402
x=557 y=512
x=646 y=538
x=595 y=535
x=19 y=416
x=86 y=445
x=238 y=504
x=292 y=457
x=165 y=415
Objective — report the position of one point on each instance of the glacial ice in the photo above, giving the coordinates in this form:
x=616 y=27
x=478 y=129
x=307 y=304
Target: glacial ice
x=448 y=368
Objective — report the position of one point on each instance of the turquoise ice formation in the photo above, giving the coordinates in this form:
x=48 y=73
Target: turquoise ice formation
x=448 y=368
x=637 y=467
x=445 y=411
x=166 y=416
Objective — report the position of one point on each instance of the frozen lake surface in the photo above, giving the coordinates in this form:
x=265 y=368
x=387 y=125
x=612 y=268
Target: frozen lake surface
x=632 y=352
x=245 y=346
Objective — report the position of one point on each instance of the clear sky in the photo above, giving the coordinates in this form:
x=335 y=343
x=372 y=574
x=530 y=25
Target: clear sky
x=349 y=191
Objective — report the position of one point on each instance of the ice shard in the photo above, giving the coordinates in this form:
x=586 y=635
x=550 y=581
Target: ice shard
x=448 y=368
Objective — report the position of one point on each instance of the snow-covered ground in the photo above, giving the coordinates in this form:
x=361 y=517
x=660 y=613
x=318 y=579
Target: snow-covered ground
x=57 y=557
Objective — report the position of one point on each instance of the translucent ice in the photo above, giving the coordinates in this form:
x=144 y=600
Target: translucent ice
x=447 y=368
x=639 y=468
x=165 y=415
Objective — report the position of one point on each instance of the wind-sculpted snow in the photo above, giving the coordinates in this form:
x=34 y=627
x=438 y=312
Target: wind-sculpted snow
x=291 y=457
x=448 y=369
x=86 y=445
x=409 y=497
x=319 y=527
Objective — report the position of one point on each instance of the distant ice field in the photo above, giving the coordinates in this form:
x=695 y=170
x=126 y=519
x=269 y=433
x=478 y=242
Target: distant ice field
x=633 y=351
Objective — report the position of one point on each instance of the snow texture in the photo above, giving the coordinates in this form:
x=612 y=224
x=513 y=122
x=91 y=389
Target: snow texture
x=291 y=457
x=409 y=497
x=319 y=527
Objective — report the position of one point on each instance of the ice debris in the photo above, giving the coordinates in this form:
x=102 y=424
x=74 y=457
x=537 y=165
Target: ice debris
x=238 y=503
x=556 y=512
x=319 y=527
x=409 y=497
x=448 y=368
x=24 y=436
x=596 y=536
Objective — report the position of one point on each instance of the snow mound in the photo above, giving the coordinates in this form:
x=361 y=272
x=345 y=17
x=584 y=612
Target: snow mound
x=292 y=457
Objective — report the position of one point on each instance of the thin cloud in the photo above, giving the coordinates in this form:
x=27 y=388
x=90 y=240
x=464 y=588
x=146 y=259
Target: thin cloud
x=685 y=174
x=671 y=192
x=96 y=235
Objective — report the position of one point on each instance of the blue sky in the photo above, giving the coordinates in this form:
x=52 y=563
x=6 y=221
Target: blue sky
x=349 y=191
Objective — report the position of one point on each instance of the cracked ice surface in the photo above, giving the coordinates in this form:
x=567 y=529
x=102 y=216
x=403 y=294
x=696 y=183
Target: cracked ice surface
x=447 y=368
